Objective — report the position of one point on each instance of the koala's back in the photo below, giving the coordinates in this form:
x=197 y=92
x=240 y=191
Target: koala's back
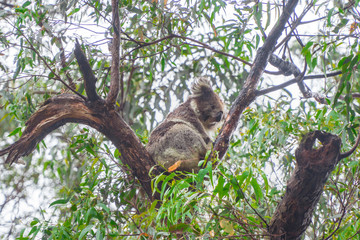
x=181 y=137
x=182 y=140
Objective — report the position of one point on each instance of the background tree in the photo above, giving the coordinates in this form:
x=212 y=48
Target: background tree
x=101 y=182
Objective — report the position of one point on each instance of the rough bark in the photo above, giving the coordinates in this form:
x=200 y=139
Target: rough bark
x=67 y=108
x=294 y=212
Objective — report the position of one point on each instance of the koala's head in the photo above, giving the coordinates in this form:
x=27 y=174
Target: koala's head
x=207 y=104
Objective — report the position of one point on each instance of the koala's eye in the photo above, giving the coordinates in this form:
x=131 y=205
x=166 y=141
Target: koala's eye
x=212 y=107
x=219 y=116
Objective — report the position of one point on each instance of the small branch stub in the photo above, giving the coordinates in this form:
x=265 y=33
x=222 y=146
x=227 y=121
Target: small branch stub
x=87 y=73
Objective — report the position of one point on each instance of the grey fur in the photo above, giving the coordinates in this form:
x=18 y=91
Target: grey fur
x=183 y=138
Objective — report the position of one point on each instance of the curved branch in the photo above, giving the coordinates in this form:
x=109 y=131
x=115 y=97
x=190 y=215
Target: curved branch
x=67 y=108
x=352 y=150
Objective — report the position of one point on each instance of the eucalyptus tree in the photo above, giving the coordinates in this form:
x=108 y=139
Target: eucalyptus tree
x=287 y=70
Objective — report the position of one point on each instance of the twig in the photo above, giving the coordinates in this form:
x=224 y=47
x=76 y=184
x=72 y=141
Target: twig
x=294 y=26
x=294 y=80
x=348 y=153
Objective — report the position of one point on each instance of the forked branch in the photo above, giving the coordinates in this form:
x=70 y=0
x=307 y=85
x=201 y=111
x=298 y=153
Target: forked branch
x=67 y=108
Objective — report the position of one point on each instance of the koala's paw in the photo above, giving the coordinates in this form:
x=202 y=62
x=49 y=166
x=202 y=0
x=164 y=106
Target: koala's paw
x=175 y=166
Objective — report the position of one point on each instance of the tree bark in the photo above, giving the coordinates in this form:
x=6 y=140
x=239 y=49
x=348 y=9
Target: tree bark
x=294 y=212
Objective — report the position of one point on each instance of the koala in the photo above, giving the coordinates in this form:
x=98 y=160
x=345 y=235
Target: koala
x=183 y=138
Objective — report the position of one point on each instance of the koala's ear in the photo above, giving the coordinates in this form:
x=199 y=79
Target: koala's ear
x=200 y=86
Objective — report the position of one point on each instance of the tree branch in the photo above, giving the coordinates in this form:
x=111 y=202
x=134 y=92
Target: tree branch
x=352 y=150
x=87 y=73
x=294 y=80
x=115 y=53
x=291 y=69
x=67 y=108
x=248 y=93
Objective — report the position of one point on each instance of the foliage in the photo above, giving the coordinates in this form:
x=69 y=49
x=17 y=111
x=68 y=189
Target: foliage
x=164 y=46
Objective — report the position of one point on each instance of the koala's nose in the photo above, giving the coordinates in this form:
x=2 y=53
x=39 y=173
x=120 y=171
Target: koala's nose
x=219 y=116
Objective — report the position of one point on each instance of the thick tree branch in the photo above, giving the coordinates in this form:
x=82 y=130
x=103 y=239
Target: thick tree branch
x=67 y=108
x=313 y=167
x=248 y=93
x=115 y=53
x=87 y=73
x=293 y=214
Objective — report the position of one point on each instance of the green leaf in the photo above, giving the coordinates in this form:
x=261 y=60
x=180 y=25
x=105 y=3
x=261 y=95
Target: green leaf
x=257 y=189
x=85 y=231
x=73 y=11
x=219 y=189
x=16 y=131
x=263 y=175
x=330 y=14
x=91 y=213
x=103 y=206
x=164 y=183
x=237 y=188
x=34 y=222
x=162 y=64
x=27 y=3
x=200 y=177
x=60 y=201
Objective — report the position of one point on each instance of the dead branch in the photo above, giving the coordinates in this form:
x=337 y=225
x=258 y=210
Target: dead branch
x=87 y=73
x=289 y=68
x=303 y=191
